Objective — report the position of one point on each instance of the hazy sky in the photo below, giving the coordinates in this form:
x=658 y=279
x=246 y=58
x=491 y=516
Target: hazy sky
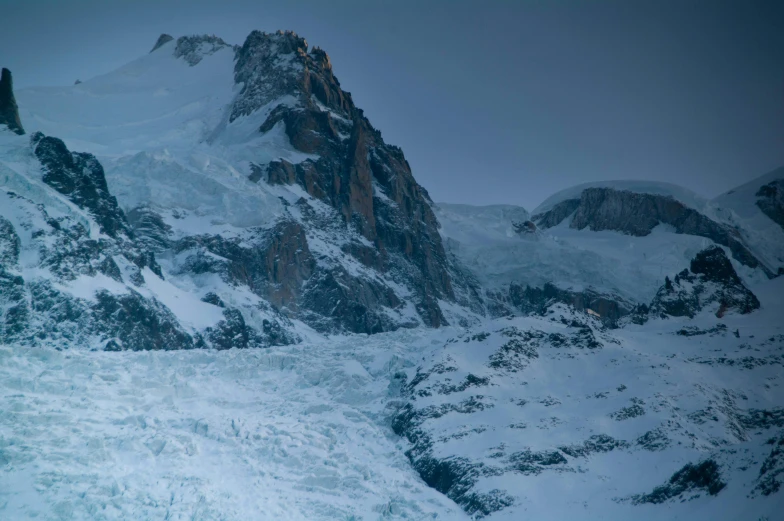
x=491 y=101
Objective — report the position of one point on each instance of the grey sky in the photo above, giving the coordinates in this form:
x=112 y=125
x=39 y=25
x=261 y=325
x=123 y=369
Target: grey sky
x=492 y=102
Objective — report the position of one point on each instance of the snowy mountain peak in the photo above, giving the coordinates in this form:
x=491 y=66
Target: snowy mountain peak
x=253 y=165
x=223 y=198
x=271 y=65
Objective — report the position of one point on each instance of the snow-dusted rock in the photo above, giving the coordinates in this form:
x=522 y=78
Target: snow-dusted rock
x=638 y=214
x=710 y=282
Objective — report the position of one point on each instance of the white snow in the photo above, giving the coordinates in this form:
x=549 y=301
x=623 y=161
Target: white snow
x=188 y=309
x=282 y=433
x=484 y=240
x=738 y=208
x=160 y=128
x=569 y=393
x=302 y=432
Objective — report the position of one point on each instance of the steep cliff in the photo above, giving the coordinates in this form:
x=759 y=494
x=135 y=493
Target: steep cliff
x=9 y=112
x=633 y=213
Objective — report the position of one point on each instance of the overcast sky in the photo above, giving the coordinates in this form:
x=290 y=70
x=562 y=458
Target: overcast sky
x=491 y=101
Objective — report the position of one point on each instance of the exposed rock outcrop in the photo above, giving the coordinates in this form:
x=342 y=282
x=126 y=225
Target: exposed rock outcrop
x=704 y=476
x=609 y=308
x=80 y=177
x=162 y=39
x=524 y=227
x=277 y=265
x=368 y=182
x=771 y=201
x=149 y=229
x=710 y=281
x=556 y=215
x=42 y=308
x=9 y=112
x=638 y=214
x=193 y=49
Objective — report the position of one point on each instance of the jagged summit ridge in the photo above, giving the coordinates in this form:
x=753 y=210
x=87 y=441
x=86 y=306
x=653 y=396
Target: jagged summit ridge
x=194 y=49
x=367 y=181
x=270 y=65
x=301 y=199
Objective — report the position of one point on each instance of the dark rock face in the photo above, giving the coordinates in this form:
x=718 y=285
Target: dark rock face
x=149 y=229
x=704 y=476
x=80 y=177
x=557 y=213
x=638 y=214
x=609 y=308
x=162 y=39
x=368 y=182
x=212 y=298
x=771 y=472
x=278 y=266
x=524 y=227
x=275 y=266
x=9 y=243
x=771 y=201
x=13 y=301
x=274 y=65
x=711 y=279
x=713 y=264
x=9 y=112
x=597 y=443
x=232 y=332
x=193 y=49
x=139 y=324
x=454 y=477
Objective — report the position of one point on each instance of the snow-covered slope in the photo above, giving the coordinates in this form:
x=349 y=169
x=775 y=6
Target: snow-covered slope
x=73 y=274
x=556 y=417
x=221 y=149
x=743 y=207
x=629 y=268
x=607 y=242
x=617 y=355
x=546 y=417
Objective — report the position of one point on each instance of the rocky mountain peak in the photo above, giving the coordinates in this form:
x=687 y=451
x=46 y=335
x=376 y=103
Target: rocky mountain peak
x=193 y=49
x=9 y=112
x=271 y=65
x=162 y=39
x=710 y=282
x=714 y=265
x=368 y=182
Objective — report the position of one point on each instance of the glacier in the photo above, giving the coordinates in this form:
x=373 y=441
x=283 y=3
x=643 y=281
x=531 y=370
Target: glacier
x=409 y=359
